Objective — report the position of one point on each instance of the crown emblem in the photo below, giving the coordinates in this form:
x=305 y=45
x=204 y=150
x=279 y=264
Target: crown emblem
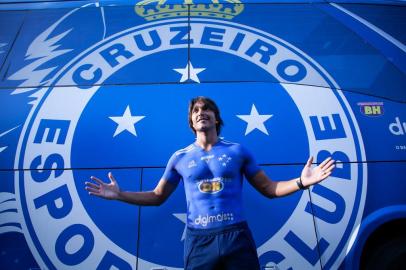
x=157 y=9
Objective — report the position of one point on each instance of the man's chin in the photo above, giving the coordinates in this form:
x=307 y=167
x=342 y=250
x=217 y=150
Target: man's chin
x=205 y=128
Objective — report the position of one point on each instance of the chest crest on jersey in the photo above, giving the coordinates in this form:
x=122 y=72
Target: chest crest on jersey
x=224 y=160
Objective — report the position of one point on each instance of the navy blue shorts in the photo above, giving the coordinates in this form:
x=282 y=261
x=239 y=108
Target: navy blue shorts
x=231 y=247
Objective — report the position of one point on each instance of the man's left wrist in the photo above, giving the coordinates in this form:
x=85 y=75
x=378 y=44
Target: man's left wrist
x=300 y=184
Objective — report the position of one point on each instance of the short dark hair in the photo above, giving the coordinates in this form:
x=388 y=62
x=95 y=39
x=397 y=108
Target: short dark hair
x=212 y=106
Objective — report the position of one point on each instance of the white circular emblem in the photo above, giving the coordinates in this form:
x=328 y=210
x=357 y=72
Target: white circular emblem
x=60 y=232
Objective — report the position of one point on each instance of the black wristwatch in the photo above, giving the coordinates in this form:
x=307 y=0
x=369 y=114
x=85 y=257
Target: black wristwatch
x=300 y=184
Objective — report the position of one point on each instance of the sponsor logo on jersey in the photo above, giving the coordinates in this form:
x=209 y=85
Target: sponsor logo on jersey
x=208 y=219
x=211 y=186
x=191 y=164
x=207 y=158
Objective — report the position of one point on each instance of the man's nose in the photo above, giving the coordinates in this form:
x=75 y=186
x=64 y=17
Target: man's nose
x=203 y=114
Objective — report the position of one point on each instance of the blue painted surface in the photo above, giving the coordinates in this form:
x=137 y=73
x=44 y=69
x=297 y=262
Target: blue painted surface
x=67 y=81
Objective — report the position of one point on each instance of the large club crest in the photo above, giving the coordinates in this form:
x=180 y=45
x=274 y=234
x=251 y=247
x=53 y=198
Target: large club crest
x=81 y=118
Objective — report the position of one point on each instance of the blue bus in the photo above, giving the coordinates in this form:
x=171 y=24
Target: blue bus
x=91 y=87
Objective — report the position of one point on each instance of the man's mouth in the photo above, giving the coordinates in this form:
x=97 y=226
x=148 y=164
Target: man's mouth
x=202 y=119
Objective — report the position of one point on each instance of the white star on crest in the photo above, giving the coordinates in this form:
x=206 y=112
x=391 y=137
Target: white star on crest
x=182 y=217
x=193 y=72
x=126 y=122
x=255 y=120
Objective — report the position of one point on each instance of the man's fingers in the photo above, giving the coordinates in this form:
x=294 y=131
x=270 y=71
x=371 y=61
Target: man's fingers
x=92 y=190
x=328 y=165
x=309 y=162
x=112 y=179
x=324 y=162
x=329 y=169
x=326 y=175
x=96 y=194
x=91 y=185
x=97 y=180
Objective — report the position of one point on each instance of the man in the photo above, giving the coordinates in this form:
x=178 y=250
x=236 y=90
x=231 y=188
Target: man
x=212 y=170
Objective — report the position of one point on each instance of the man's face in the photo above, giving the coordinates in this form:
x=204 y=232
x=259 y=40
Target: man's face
x=203 y=118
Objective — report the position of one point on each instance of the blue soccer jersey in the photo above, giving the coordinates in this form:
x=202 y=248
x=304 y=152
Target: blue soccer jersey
x=213 y=182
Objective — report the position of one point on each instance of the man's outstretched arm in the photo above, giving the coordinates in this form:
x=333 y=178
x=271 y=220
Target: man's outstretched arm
x=111 y=191
x=309 y=176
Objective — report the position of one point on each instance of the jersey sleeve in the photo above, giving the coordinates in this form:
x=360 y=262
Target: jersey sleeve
x=250 y=166
x=171 y=174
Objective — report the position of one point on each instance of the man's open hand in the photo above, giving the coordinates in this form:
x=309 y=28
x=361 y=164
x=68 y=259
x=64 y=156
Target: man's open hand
x=108 y=191
x=311 y=176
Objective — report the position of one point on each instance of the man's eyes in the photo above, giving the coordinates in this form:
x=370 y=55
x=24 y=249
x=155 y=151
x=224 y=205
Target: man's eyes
x=204 y=108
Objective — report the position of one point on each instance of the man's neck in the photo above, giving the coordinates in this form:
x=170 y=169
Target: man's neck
x=206 y=140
